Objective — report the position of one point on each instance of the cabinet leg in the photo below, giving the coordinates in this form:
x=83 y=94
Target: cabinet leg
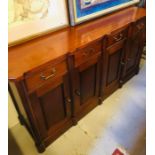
x=137 y=70
x=21 y=119
x=100 y=100
x=40 y=147
x=120 y=83
x=74 y=121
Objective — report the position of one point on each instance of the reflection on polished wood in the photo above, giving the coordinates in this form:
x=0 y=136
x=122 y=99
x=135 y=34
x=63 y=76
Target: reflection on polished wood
x=30 y=55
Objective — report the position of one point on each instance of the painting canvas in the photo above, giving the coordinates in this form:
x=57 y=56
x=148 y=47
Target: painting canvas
x=32 y=18
x=82 y=10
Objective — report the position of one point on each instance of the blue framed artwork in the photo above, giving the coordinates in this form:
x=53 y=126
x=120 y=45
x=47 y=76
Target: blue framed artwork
x=83 y=10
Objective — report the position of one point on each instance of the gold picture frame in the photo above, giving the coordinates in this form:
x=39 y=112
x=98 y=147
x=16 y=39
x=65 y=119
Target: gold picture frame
x=24 y=26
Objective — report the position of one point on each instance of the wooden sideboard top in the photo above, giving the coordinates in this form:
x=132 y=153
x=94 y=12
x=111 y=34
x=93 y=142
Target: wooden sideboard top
x=28 y=56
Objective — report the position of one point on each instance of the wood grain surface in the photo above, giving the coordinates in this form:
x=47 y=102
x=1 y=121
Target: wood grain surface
x=27 y=56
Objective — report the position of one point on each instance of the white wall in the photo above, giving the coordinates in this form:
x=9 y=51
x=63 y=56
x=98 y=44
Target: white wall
x=12 y=114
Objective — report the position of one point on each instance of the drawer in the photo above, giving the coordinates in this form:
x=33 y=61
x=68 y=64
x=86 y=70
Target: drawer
x=138 y=27
x=35 y=79
x=84 y=54
x=117 y=36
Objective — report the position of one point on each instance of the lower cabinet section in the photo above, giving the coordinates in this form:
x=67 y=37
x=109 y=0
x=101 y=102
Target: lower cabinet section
x=85 y=88
x=48 y=104
x=53 y=97
x=112 y=63
x=51 y=105
x=134 y=49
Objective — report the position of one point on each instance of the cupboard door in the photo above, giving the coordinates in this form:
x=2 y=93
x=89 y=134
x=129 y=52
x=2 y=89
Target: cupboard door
x=134 y=49
x=86 y=88
x=111 y=68
x=51 y=106
x=132 y=53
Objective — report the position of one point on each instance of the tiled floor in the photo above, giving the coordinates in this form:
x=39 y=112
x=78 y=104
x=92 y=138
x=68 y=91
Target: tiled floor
x=118 y=122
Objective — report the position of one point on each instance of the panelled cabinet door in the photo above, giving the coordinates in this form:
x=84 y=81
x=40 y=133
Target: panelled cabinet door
x=86 y=88
x=132 y=53
x=112 y=63
x=134 y=47
x=51 y=105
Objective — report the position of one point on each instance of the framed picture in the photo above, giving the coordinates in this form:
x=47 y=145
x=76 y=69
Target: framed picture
x=142 y=3
x=31 y=18
x=83 y=10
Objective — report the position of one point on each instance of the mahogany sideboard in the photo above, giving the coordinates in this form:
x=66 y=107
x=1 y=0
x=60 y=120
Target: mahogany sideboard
x=56 y=79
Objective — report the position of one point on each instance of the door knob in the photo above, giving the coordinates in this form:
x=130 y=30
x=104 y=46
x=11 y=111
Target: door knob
x=68 y=100
x=129 y=59
x=77 y=92
x=122 y=63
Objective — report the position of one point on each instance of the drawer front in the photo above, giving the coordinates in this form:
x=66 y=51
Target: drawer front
x=139 y=26
x=38 y=78
x=84 y=54
x=117 y=36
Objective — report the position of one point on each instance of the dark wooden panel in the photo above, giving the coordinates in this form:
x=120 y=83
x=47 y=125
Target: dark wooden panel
x=51 y=105
x=134 y=48
x=113 y=66
x=87 y=83
x=132 y=55
x=53 y=108
x=134 y=44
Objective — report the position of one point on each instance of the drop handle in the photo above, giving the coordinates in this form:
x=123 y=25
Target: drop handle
x=77 y=92
x=118 y=38
x=43 y=77
x=140 y=26
x=88 y=52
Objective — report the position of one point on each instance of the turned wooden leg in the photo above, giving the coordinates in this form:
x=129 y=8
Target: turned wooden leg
x=100 y=100
x=74 y=121
x=120 y=83
x=21 y=119
x=40 y=147
x=137 y=70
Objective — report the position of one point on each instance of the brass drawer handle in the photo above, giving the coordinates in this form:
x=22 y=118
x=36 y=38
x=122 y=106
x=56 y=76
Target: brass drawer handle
x=43 y=77
x=140 y=26
x=119 y=37
x=88 y=52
